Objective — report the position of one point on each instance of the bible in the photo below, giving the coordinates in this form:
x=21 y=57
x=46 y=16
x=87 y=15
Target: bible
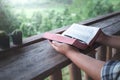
x=79 y=36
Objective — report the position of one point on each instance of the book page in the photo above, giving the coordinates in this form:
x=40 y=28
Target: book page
x=81 y=32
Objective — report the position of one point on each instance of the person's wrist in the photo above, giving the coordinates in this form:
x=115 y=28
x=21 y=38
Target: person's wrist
x=70 y=52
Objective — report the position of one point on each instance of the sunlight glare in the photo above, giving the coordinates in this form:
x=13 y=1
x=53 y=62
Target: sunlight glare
x=19 y=1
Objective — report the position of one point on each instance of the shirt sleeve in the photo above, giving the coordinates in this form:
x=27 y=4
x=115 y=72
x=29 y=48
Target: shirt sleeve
x=111 y=71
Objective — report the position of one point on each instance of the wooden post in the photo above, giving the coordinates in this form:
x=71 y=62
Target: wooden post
x=75 y=73
x=109 y=53
x=116 y=55
x=56 y=75
x=101 y=53
x=114 y=51
x=87 y=77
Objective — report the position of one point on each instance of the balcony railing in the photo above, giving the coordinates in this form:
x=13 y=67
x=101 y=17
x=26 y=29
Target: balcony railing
x=35 y=59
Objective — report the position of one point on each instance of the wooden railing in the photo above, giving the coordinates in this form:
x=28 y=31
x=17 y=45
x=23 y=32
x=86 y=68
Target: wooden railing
x=35 y=59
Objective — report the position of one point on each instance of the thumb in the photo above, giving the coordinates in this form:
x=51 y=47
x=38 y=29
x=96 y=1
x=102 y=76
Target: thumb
x=57 y=44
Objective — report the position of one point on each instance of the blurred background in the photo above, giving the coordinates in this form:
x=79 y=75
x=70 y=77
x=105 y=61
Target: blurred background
x=37 y=16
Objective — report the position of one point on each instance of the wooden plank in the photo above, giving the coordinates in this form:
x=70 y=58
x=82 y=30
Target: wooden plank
x=56 y=75
x=112 y=25
x=87 y=77
x=101 y=18
x=27 y=63
x=101 y=53
x=116 y=55
x=35 y=61
x=109 y=53
x=75 y=73
x=112 y=29
x=107 y=22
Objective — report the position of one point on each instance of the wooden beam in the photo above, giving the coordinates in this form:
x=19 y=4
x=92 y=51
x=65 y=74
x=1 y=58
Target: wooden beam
x=109 y=53
x=116 y=55
x=56 y=75
x=101 y=53
x=75 y=73
x=35 y=62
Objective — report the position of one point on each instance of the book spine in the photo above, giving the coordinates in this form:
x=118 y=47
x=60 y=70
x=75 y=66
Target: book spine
x=59 y=38
x=80 y=45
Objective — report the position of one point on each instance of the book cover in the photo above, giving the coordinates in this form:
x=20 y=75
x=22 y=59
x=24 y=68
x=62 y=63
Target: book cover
x=79 y=36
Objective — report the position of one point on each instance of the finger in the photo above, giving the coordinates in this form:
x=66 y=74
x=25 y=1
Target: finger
x=50 y=42
x=52 y=45
x=57 y=44
x=55 y=47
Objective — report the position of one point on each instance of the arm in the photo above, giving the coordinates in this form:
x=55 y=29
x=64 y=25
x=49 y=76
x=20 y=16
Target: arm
x=112 y=41
x=90 y=65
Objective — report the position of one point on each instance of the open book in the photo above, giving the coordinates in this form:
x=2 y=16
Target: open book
x=80 y=36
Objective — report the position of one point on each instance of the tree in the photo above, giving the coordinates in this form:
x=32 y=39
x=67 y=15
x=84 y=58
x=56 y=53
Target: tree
x=8 y=21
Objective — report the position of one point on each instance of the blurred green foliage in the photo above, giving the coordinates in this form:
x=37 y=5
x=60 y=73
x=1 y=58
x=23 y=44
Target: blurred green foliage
x=8 y=21
x=73 y=12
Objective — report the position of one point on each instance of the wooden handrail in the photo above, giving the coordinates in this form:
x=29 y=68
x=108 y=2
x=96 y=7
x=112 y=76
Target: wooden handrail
x=38 y=38
x=36 y=59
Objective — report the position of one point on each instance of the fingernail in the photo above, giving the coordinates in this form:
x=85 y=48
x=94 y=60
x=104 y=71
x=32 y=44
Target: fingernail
x=53 y=42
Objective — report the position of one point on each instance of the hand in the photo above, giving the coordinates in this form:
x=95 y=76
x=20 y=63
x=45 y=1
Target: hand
x=63 y=48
